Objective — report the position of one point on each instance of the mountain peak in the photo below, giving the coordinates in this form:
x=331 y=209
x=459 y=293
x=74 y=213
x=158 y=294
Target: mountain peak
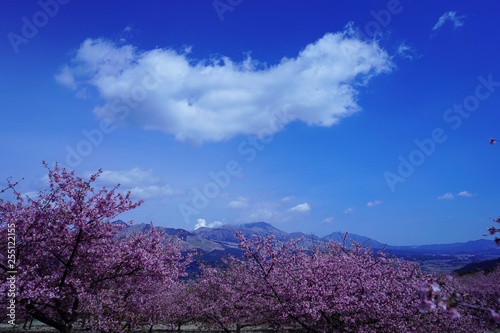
x=260 y=225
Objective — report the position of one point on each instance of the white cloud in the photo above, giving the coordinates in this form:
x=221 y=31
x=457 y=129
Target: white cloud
x=155 y=191
x=241 y=202
x=301 y=208
x=374 y=203
x=406 y=51
x=328 y=220
x=218 y=98
x=449 y=195
x=41 y=183
x=66 y=78
x=446 y=196
x=287 y=198
x=31 y=194
x=451 y=16
x=349 y=210
x=273 y=212
x=267 y=211
x=465 y=194
x=143 y=184
x=134 y=176
x=201 y=223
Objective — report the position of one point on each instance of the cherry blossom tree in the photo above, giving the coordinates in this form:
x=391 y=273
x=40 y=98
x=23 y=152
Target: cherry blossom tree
x=230 y=298
x=331 y=288
x=157 y=268
x=480 y=293
x=474 y=295
x=180 y=306
x=72 y=264
x=492 y=230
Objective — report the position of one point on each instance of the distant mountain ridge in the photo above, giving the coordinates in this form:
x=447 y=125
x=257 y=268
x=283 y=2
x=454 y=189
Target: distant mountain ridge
x=223 y=237
x=476 y=246
x=213 y=244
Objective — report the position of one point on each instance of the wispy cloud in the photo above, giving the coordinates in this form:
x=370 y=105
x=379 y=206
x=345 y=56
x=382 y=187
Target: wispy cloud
x=465 y=194
x=134 y=176
x=277 y=211
x=155 y=191
x=452 y=17
x=143 y=184
x=328 y=220
x=349 y=210
x=374 y=203
x=268 y=211
x=449 y=195
x=31 y=194
x=301 y=208
x=446 y=196
x=406 y=51
x=241 y=202
x=218 y=98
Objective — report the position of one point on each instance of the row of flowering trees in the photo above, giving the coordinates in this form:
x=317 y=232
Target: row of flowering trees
x=333 y=288
x=67 y=265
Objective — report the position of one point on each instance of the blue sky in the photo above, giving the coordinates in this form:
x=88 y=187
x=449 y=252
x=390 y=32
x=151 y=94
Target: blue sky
x=365 y=116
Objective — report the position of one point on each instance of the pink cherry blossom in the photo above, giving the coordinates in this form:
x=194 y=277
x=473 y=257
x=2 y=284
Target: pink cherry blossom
x=73 y=267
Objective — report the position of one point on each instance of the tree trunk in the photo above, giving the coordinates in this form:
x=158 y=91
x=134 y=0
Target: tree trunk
x=26 y=321
x=51 y=322
x=68 y=328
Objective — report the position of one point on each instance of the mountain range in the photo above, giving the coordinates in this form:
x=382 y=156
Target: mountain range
x=215 y=243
